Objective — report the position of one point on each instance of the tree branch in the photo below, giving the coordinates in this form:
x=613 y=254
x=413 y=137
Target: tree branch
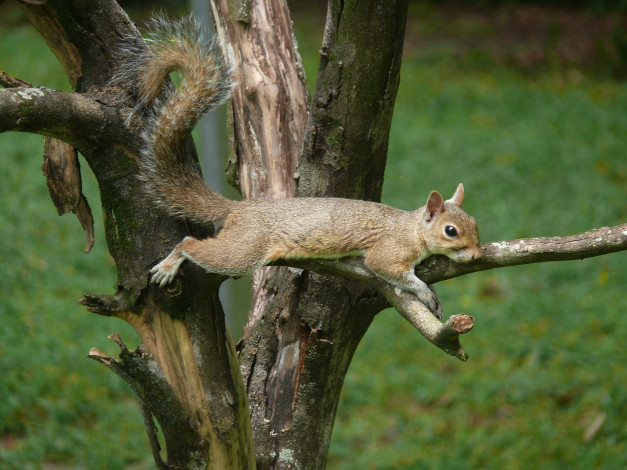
x=444 y=335
x=153 y=440
x=63 y=175
x=594 y=242
x=71 y=117
x=496 y=254
x=9 y=82
x=141 y=372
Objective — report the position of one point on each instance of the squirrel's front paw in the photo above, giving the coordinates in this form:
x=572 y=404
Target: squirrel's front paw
x=429 y=299
x=165 y=272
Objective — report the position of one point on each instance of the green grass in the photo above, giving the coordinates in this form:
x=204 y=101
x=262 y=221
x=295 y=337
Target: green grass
x=541 y=156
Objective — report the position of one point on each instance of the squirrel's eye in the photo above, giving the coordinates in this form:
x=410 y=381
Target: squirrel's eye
x=450 y=231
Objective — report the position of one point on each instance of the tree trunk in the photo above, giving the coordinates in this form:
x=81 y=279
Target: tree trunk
x=303 y=328
x=186 y=372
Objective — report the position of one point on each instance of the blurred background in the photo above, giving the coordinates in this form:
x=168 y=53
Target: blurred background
x=526 y=104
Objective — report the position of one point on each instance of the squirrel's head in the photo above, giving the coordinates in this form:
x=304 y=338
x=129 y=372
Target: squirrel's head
x=448 y=230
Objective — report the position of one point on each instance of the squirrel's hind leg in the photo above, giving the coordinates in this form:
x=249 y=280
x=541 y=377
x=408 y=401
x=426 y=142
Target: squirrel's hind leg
x=210 y=254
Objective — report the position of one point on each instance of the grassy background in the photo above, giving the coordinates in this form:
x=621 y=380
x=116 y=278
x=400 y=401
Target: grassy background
x=542 y=150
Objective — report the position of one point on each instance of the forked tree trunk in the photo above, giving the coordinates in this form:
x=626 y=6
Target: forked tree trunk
x=274 y=406
x=304 y=328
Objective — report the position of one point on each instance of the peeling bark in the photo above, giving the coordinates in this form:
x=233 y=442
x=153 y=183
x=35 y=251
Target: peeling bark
x=269 y=109
x=63 y=176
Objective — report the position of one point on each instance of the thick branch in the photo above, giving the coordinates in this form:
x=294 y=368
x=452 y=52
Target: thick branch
x=70 y=117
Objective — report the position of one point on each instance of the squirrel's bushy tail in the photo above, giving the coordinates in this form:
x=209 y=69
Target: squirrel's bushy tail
x=178 y=45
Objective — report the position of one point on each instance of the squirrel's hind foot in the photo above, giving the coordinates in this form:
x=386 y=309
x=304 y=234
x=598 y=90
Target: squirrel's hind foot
x=165 y=272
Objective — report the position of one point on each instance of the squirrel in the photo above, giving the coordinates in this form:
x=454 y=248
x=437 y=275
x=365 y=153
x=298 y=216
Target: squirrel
x=252 y=233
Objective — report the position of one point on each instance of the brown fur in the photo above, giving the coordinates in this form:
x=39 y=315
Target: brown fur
x=393 y=241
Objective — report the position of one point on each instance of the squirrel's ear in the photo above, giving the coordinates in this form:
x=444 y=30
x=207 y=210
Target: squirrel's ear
x=458 y=197
x=435 y=205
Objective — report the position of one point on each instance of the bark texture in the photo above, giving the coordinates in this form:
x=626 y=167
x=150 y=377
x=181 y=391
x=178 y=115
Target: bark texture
x=63 y=175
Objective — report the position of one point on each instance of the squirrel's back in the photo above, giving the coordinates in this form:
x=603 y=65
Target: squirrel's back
x=179 y=45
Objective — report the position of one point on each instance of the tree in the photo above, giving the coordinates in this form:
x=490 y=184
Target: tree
x=272 y=403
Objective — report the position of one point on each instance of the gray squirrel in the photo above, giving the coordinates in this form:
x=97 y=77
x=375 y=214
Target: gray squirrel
x=253 y=233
